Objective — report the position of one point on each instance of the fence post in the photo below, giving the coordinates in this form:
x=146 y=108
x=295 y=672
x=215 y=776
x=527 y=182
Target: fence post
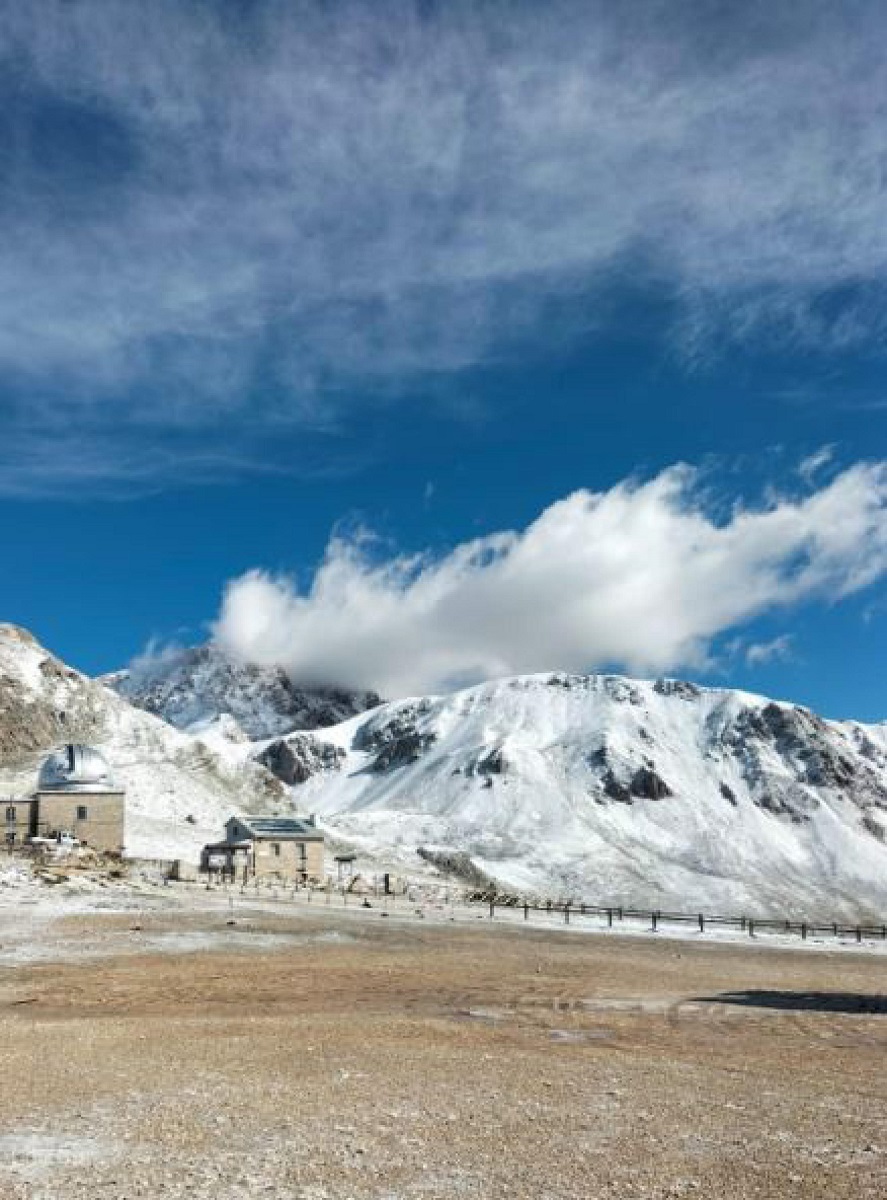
x=492 y=909
x=619 y=910
x=858 y=934
x=655 y=917
x=526 y=911
x=609 y=918
x=566 y=914
x=742 y=924
x=804 y=931
x=701 y=923
x=751 y=927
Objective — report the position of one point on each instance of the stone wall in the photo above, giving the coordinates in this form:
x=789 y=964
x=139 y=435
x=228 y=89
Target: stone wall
x=97 y=819
x=293 y=860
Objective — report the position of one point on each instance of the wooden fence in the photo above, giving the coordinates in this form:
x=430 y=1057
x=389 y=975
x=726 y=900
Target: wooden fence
x=617 y=914
x=567 y=913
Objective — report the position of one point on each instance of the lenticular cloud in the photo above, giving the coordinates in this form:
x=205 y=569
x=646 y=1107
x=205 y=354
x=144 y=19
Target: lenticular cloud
x=643 y=576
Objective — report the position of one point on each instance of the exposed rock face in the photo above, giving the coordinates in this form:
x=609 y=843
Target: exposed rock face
x=190 y=688
x=786 y=753
x=298 y=758
x=396 y=738
x=494 y=762
x=876 y=824
x=624 y=783
x=42 y=701
x=615 y=788
x=646 y=784
x=677 y=687
x=728 y=793
x=402 y=751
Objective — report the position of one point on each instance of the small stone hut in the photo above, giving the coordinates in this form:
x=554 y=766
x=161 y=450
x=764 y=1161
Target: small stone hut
x=289 y=849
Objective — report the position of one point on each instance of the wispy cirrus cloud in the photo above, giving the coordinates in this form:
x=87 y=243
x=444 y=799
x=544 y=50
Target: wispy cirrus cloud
x=642 y=576
x=811 y=466
x=217 y=215
x=758 y=654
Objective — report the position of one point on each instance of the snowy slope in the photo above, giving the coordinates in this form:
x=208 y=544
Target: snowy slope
x=594 y=787
x=192 y=688
x=614 y=790
x=179 y=792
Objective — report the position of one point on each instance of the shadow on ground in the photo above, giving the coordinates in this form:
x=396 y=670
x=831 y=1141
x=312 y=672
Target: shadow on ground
x=865 y=1004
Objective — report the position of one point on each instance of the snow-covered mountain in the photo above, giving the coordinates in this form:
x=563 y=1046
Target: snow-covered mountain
x=613 y=790
x=179 y=791
x=598 y=788
x=192 y=688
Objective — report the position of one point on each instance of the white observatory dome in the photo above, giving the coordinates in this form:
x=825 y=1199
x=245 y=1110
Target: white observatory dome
x=76 y=769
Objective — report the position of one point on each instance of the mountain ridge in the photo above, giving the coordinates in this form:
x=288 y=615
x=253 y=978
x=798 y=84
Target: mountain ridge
x=624 y=791
x=191 y=687
x=595 y=787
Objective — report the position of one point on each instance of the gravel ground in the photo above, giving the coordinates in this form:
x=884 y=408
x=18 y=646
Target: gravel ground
x=326 y=1055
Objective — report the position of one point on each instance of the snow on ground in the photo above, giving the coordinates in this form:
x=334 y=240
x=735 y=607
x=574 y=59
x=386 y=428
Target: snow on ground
x=34 y=921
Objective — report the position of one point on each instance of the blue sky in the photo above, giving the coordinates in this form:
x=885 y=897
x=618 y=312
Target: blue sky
x=368 y=338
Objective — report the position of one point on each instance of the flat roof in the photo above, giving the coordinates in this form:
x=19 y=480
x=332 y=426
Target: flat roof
x=280 y=828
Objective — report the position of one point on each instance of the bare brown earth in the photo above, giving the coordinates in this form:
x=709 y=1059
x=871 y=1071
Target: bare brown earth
x=322 y=1055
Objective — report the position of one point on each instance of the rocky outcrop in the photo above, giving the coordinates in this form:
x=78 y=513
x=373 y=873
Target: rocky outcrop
x=56 y=703
x=402 y=751
x=398 y=739
x=647 y=784
x=786 y=754
x=677 y=687
x=298 y=758
x=644 y=784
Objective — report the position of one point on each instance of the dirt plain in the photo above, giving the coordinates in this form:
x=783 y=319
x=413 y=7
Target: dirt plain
x=319 y=1055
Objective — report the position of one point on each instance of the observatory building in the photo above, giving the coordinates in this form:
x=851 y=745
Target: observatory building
x=77 y=795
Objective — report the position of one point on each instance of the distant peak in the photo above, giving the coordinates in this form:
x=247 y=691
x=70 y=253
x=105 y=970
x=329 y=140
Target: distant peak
x=17 y=633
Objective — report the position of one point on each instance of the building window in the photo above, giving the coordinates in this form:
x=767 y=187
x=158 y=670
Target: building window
x=82 y=814
x=10 y=837
x=10 y=813
x=275 y=849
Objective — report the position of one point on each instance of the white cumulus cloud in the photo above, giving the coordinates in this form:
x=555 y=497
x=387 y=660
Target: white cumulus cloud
x=642 y=576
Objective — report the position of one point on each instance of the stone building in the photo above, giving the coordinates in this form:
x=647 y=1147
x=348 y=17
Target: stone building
x=286 y=848
x=76 y=795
